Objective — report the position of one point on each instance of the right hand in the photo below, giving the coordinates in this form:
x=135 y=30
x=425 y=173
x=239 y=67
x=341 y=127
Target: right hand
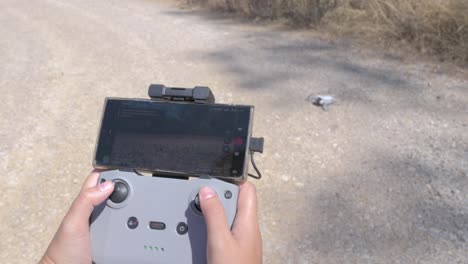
x=242 y=243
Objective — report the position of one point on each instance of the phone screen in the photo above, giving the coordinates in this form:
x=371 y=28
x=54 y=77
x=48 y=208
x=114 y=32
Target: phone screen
x=186 y=138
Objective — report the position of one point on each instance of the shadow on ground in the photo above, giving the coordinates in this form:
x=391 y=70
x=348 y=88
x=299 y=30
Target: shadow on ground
x=397 y=211
x=386 y=204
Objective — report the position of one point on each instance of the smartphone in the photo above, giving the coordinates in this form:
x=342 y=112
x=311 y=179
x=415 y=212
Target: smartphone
x=175 y=138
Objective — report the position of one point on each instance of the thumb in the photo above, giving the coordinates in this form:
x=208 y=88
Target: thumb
x=75 y=225
x=87 y=199
x=213 y=210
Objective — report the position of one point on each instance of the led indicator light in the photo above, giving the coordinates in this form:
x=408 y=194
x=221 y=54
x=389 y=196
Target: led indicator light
x=153 y=248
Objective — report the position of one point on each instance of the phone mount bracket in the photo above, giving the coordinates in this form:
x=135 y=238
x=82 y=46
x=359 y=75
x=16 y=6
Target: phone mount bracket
x=198 y=94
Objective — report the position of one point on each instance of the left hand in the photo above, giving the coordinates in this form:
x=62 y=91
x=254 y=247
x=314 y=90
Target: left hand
x=71 y=244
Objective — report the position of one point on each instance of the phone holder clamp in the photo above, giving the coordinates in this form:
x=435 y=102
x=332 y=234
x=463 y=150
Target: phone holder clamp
x=198 y=94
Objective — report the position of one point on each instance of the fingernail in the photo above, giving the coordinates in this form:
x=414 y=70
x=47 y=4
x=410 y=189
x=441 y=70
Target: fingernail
x=105 y=186
x=207 y=193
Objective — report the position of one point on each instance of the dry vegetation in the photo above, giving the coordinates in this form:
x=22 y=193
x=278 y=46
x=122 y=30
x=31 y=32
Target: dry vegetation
x=435 y=27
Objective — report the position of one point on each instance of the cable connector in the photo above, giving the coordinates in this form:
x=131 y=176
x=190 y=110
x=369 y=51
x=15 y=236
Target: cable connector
x=256 y=144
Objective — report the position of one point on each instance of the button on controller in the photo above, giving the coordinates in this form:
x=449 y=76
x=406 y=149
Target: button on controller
x=132 y=222
x=157 y=225
x=182 y=228
x=120 y=192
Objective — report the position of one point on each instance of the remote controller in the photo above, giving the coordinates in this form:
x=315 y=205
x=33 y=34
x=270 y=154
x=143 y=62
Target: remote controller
x=154 y=219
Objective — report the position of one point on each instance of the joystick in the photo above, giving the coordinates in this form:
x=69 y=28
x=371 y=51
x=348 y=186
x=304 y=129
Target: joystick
x=120 y=192
x=196 y=203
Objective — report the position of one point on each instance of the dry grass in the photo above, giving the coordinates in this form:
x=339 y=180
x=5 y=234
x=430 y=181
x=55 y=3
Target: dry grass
x=435 y=27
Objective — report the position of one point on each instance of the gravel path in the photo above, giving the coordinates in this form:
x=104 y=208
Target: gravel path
x=382 y=177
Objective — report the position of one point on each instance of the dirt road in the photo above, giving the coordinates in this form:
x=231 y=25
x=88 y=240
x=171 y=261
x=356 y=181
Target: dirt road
x=382 y=177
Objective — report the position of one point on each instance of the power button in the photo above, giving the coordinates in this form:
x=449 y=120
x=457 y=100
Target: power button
x=182 y=228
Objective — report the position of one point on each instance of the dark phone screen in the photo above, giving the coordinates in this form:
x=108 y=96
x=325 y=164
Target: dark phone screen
x=186 y=138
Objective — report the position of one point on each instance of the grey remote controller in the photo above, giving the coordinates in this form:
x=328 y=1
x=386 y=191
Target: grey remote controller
x=154 y=220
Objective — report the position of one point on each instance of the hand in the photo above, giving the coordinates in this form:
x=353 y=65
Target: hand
x=71 y=244
x=242 y=244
